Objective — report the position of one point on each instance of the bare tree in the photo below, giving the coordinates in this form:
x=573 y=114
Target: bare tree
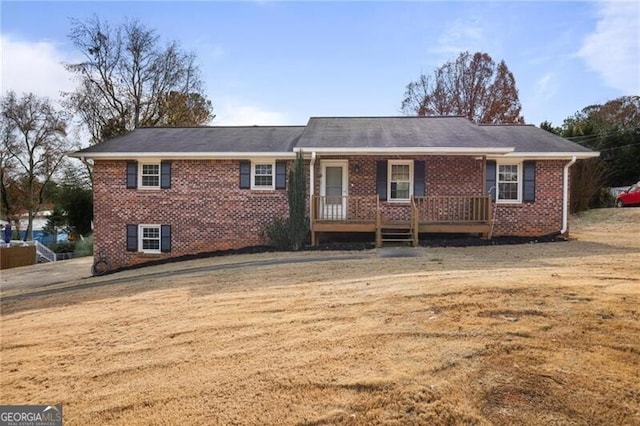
x=126 y=77
x=34 y=145
x=471 y=86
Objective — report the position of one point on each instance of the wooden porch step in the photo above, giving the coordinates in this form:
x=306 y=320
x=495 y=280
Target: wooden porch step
x=396 y=234
x=396 y=225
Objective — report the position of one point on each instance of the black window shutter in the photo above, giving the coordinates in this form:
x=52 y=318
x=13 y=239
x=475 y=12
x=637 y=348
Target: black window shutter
x=165 y=174
x=165 y=238
x=245 y=174
x=529 y=181
x=418 y=178
x=281 y=173
x=381 y=179
x=132 y=174
x=491 y=179
x=132 y=237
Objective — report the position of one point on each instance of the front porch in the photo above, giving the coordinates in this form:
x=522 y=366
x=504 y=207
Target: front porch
x=400 y=222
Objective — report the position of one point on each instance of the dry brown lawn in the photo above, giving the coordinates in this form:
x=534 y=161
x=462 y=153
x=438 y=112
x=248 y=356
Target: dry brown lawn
x=528 y=334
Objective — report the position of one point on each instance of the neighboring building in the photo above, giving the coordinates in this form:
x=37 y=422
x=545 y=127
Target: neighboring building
x=39 y=224
x=166 y=192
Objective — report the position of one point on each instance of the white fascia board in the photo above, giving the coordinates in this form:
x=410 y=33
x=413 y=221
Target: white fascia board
x=183 y=155
x=408 y=151
x=553 y=155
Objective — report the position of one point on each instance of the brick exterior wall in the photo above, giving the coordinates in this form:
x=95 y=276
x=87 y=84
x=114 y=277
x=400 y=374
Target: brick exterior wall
x=542 y=217
x=205 y=207
x=460 y=175
x=208 y=211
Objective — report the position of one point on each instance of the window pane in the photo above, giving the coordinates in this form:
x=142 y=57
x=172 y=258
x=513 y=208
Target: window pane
x=508 y=191
x=333 y=181
x=263 y=181
x=263 y=169
x=400 y=172
x=150 y=180
x=399 y=190
x=150 y=169
x=150 y=244
x=150 y=233
x=508 y=173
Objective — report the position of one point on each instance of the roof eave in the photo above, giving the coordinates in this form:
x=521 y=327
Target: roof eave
x=180 y=155
x=407 y=150
x=555 y=155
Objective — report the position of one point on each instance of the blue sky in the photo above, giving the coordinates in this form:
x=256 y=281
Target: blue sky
x=271 y=62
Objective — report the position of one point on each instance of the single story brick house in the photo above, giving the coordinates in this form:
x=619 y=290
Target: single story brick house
x=168 y=192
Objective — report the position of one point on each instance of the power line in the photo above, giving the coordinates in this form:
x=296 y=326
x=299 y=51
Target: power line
x=595 y=136
x=619 y=147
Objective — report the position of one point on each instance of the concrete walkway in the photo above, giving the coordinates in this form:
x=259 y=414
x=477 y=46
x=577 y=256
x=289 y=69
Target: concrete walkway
x=45 y=274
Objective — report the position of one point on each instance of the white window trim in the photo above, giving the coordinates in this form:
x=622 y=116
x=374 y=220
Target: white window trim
x=391 y=163
x=255 y=187
x=509 y=163
x=140 y=238
x=149 y=163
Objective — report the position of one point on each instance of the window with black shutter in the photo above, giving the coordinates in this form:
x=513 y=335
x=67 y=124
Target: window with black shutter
x=132 y=237
x=132 y=174
x=165 y=174
x=245 y=174
x=529 y=181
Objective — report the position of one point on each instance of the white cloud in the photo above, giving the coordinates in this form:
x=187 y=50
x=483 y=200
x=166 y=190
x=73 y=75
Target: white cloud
x=33 y=67
x=546 y=87
x=460 y=36
x=232 y=113
x=613 y=50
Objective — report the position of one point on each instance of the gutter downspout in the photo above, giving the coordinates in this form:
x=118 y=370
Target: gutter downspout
x=565 y=195
x=312 y=186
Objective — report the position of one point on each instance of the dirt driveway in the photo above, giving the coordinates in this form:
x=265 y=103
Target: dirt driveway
x=527 y=334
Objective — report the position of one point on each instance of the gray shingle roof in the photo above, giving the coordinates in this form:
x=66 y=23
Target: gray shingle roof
x=428 y=132
x=528 y=138
x=276 y=139
x=391 y=132
x=338 y=133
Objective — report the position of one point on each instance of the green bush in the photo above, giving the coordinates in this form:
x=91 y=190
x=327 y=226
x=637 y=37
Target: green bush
x=84 y=246
x=278 y=234
x=292 y=233
x=606 y=198
x=66 y=247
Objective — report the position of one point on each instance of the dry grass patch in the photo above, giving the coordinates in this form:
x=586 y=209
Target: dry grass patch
x=532 y=334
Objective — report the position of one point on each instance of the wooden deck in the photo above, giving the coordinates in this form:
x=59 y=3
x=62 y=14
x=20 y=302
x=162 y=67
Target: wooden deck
x=401 y=222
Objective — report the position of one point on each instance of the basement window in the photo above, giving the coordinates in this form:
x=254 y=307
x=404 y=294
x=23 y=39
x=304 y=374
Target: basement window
x=149 y=238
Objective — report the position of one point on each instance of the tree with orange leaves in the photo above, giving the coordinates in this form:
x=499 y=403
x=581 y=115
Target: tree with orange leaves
x=472 y=86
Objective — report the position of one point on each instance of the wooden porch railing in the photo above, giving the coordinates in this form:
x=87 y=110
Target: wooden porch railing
x=434 y=209
x=423 y=214
x=346 y=209
x=453 y=209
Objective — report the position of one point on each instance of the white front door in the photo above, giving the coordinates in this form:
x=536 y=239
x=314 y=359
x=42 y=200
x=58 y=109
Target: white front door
x=334 y=190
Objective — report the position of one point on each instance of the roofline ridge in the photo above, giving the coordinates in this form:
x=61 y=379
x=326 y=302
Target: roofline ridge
x=387 y=116
x=248 y=126
x=506 y=124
